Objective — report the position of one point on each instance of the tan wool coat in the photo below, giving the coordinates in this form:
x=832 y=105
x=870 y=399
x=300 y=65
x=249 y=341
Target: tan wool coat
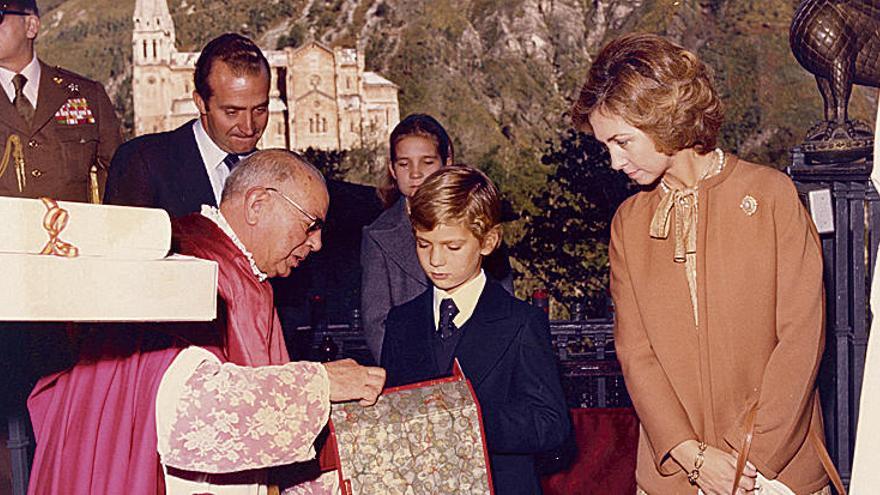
x=761 y=335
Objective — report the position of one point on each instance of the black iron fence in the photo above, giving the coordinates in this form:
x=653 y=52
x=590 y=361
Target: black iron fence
x=588 y=365
x=849 y=253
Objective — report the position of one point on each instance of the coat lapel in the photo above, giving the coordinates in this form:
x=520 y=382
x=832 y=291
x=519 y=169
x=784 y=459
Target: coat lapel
x=10 y=117
x=418 y=353
x=187 y=166
x=487 y=335
x=398 y=243
x=55 y=89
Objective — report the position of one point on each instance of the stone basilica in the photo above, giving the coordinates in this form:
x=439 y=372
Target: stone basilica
x=320 y=97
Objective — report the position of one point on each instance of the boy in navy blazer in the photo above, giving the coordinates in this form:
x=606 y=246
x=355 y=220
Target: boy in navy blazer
x=502 y=343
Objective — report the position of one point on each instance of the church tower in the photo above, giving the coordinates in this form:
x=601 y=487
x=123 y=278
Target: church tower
x=152 y=52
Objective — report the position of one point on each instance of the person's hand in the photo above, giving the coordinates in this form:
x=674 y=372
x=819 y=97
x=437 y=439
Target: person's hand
x=718 y=470
x=351 y=381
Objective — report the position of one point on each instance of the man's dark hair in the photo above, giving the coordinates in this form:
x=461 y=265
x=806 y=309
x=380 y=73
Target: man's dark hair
x=24 y=5
x=239 y=53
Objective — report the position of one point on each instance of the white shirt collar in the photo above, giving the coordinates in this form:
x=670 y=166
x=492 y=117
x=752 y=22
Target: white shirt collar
x=465 y=299
x=32 y=72
x=216 y=216
x=212 y=157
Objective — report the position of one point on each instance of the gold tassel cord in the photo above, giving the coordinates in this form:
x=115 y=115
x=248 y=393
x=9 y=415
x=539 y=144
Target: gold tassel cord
x=14 y=151
x=94 y=190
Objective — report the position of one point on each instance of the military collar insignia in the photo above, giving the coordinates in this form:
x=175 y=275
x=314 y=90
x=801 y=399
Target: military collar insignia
x=57 y=80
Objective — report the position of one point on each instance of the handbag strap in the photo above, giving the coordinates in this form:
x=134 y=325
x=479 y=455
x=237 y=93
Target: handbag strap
x=827 y=463
x=746 y=447
x=817 y=442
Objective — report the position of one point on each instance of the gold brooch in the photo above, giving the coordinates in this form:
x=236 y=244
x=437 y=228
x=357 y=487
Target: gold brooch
x=57 y=80
x=749 y=205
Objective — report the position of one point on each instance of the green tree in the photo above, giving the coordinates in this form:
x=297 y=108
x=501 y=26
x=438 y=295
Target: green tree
x=329 y=162
x=565 y=244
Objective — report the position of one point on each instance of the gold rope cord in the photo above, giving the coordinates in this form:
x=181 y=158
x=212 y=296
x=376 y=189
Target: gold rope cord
x=15 y=152
x=54 y=222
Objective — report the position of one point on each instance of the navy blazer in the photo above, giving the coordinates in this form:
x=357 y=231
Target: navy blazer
x=391 y=274
x=506 y=353
x=163 y=170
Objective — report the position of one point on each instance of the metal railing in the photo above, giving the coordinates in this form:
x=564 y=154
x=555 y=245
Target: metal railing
x=588 y=365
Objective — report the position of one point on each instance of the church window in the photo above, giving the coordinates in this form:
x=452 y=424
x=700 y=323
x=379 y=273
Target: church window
x=145 y=48
x=280 y=127
x=323 y=125
x=154 y=48
x=351 y=126
x=348 y=82
x=311 y=125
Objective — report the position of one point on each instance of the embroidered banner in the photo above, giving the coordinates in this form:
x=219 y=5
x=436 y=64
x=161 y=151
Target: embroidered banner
x=425 y=438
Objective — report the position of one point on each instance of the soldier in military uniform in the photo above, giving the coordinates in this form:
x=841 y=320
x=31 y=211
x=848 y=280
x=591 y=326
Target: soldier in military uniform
x=54 y=125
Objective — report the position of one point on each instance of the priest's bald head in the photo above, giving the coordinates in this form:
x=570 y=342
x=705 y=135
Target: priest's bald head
x=275 y=201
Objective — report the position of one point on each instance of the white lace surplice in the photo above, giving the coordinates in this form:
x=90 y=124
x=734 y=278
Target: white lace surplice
x=214 y=418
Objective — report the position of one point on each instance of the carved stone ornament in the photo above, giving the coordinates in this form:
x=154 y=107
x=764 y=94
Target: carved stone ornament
x=838 y=41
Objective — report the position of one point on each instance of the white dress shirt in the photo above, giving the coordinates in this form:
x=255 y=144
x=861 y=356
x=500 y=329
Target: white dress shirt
x=31 y=88
x=212 y=157
x=465 y=299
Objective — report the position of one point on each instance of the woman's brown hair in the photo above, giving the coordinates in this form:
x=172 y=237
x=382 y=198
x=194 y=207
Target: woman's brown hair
x=656 y=86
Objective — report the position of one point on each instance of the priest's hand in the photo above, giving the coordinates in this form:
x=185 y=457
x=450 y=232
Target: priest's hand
x=351 y=381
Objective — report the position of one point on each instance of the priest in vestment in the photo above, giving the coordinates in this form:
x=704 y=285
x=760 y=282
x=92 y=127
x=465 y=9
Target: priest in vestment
x=203 y=408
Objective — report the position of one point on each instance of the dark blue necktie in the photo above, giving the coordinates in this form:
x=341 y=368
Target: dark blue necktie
x=448 y=310
x=231 y=161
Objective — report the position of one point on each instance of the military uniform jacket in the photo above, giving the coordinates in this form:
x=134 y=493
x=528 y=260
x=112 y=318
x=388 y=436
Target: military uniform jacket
x=74 y=127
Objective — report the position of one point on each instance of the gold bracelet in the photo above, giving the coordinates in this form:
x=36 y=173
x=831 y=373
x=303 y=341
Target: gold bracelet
x=694 y=475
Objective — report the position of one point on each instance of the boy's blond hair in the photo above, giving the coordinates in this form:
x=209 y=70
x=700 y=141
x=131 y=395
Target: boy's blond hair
x=456 y=194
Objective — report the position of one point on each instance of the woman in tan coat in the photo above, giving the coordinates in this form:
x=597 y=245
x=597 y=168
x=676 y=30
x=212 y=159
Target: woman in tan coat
x=716 y=275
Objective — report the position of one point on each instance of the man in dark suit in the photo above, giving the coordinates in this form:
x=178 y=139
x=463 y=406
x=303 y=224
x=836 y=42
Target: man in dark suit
x=54 y=125
x=185 y=168
x=502 y=343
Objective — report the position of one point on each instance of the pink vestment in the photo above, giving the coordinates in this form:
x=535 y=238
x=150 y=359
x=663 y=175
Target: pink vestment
x=95 y=423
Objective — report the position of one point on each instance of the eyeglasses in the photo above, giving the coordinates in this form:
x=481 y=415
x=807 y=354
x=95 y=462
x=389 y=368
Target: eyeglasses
x=4 y=13
x=317 y=223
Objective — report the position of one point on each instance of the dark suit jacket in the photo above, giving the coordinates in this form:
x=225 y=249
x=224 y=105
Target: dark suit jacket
x=59 y=146
x=506 y=353
x=391 y=274
x=163 y=170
